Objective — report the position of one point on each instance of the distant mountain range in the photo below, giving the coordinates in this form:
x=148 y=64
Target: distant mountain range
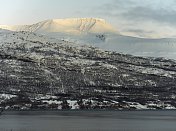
x=73 y=26
x=97 y=32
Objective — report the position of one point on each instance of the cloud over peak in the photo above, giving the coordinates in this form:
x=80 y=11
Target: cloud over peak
x=146 y=15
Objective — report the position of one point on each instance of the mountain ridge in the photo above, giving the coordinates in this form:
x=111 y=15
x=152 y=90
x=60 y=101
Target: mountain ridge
x=97 y=32
x=70 y=25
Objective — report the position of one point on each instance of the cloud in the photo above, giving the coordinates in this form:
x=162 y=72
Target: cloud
x=144 y=17
x=147 y=10
x=115 y=7
x=119 y=4
x=149 y=14
x=138 y=31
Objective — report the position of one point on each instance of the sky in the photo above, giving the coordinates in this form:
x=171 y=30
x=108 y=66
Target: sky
x=141 y=18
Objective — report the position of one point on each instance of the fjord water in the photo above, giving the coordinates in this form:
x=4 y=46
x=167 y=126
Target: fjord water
x=88 y=121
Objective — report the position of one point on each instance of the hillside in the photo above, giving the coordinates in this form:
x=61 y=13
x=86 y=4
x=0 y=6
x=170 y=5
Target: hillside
x=97 y=32
x=38 y=72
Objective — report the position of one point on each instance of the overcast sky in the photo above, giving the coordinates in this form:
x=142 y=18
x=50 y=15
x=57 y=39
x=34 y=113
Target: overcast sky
x=143 y=18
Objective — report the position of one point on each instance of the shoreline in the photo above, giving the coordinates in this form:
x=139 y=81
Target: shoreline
x=75 y=110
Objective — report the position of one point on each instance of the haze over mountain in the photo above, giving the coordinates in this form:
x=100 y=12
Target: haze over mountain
x=99 y=33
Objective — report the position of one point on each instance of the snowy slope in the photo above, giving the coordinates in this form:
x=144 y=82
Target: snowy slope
x=165 y=47
x=39 y=65
x=72 y=26
x=98 y=33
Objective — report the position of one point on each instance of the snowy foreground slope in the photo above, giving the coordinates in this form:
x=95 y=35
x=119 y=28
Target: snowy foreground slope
x=98 y=33
x=38 y=72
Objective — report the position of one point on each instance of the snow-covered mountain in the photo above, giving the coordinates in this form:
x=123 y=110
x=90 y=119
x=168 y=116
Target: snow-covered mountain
x=71 y=26
x=39 y=72
x=98 y=33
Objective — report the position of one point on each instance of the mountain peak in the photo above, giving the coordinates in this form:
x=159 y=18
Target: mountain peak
x=81 y=19
x=69 y=25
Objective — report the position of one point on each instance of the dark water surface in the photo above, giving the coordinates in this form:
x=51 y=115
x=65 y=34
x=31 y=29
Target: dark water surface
x=88 y=121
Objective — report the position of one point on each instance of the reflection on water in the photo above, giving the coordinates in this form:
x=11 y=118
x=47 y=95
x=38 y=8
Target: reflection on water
x=88 y=121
